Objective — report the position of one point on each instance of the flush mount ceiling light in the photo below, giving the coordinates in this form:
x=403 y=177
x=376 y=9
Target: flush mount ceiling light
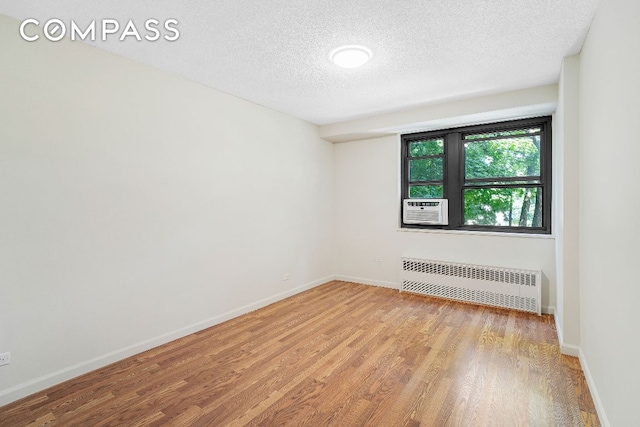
x=351 y=56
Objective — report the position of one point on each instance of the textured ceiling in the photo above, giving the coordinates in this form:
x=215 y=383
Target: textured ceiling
x=275 y=53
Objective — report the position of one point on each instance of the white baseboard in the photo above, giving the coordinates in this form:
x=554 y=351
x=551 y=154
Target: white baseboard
x=393 y=285
x=602 y=416
x=371 y=282
x=576 y=351
x=22 y=390
x=568 y=349
x=38 y=384
x=558 y=331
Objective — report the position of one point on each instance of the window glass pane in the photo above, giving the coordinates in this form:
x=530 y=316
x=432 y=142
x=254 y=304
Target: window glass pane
x=426 y=148
x=509 y=157
x=502 y=133
x=504 y=207
x=425 y=192
x=425 y=169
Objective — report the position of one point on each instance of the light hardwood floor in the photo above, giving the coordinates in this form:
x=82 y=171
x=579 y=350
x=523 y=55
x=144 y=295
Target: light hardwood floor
x=340 y=354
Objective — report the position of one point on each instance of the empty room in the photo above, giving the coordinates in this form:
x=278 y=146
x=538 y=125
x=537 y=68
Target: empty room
x=337 y=213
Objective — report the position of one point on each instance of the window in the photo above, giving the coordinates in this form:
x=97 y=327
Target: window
x=496 y=177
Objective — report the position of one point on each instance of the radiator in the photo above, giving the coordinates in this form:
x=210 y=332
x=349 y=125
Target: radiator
x=495 y=286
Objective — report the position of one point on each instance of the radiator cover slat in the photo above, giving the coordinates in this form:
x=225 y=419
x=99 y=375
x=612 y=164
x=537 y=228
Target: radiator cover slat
x=496 y=286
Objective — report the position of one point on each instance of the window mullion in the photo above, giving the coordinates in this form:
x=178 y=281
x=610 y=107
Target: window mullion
x=453 y=181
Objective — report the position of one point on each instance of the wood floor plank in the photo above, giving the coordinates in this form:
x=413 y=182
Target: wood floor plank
x=340 y=354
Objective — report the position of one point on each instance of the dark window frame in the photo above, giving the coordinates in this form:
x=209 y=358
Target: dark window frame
x=454 y=173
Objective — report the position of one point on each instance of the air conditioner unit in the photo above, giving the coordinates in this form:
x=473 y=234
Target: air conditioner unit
x=425 y=211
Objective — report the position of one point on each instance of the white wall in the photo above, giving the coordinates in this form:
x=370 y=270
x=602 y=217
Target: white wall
x=566 y=152
x=367 y=194
x=137 y=206
x=609 y=206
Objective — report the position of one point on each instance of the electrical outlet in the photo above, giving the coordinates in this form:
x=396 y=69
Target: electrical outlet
x=379 y=259
x=5 y=358
x=286 y=277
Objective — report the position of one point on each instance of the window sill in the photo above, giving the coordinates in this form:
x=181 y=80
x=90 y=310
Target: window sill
x=478 y=233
